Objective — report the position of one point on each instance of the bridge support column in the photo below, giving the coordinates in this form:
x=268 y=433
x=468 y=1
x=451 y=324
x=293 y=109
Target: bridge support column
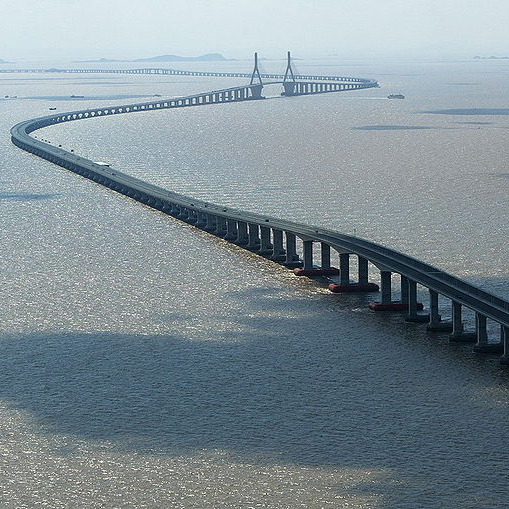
x=265 y=245
x=231 y=229
x=386 y=303
x=278 y=252
x=504 y=337
x=201 y=221
x=292 y=258
x=256 y=91
x=457 y=324
x=404 y=290
x=413 y=305
x=193 y=216
x=309 y=269
x=290 y=88
x=242 y=235
x=386 y=286
x=482 y=345
x=183 y=214
x=345 y=286
x=458 y=334
x=344 y=269
x=362 y=270
x=308 y=254
x=412 y=299
x=221 y=227
x=435 y=320
x=254 y=237
x=325 y=255
x=211 y=223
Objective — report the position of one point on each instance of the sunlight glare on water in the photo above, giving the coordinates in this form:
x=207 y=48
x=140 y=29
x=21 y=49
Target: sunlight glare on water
x=144 y=363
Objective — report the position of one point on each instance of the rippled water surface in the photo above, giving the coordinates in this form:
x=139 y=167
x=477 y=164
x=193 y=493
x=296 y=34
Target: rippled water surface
x=146 y=364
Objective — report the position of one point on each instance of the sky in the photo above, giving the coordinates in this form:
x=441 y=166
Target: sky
x=42 y=29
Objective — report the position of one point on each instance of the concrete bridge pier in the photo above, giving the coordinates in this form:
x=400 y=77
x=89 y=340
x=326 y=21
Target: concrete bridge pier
x=278 y=251
x=308 y=254
x=344 y=269
x=345 y=286
x=504 y=336
x=242 y=234
x=183 y=214
x=292 y=258
x=253 y=243
x=265 y=244
x=256 y=91
x=458 y=334
x=289 y=88
x=211 y=223
x=413 y=305
x=231 y=230
x=435 y=320
x=386 y=287
x=362 y=270
x=386 y=303
x=192 y=217
x=325 y=255
x=483 y=345
x=221 y=227
x=404 y=299
x=201 y=221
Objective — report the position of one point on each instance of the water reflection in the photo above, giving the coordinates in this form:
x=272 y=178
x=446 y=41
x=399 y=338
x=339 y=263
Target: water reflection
x=26 y=196
x=392 y=127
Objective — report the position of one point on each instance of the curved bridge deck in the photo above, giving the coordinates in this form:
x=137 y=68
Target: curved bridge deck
x=276 y=238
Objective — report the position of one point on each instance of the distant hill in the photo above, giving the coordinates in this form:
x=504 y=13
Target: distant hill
x=491 y=58
x=210 y=57
x=102 y=60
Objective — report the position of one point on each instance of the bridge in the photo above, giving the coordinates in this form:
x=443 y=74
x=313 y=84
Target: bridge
x=289 y=243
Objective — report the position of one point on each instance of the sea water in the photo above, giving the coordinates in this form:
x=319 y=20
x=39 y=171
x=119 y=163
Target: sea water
x=148 y=364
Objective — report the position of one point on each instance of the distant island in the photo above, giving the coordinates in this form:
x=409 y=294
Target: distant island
x=209 y=57
x=490 y=58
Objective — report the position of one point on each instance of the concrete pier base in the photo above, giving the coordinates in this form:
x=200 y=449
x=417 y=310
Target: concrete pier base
x=504 y=338
x=331 y=271
x=292 y=259
x=463 y=337
x=417 y=318
x=278 y=251
x=354 y=288
x=397 y=306
x=489 y=348
x=440 y=326
x=293 y=264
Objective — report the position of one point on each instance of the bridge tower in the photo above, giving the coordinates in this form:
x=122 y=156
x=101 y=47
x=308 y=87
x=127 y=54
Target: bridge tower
x=256 y=71
x=288 y=85
x=256 y=88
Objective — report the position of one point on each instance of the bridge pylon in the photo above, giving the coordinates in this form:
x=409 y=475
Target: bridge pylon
x=289 y=70
x=256 y=71
x=256 y=88
x=289 y=84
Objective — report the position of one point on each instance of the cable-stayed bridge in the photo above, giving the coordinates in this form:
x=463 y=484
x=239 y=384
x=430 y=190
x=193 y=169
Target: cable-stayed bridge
x=289 y=243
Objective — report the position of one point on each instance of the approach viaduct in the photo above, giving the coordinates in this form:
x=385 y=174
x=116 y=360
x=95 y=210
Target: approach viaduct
x=286 y=242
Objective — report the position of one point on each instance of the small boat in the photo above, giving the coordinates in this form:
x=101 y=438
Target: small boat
x=52 y=109
x=395 y=96
x=77 y=96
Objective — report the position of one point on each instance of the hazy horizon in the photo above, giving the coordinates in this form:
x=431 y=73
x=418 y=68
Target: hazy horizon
x=115 y=29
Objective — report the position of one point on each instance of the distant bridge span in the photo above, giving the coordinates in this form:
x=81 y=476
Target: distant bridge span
x=276 y=238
